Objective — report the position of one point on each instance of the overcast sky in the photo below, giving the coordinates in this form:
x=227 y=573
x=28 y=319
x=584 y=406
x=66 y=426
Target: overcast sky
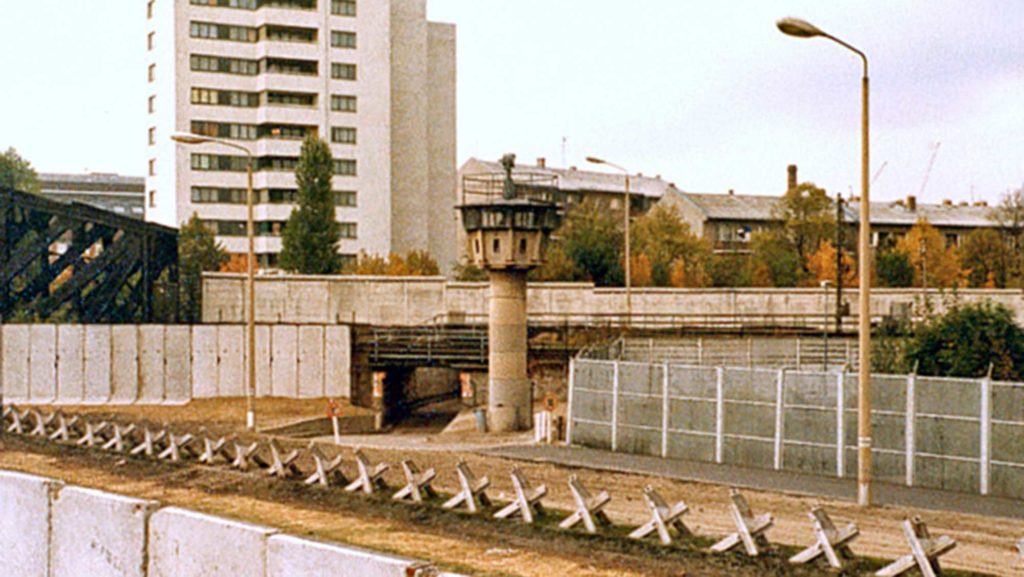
x=708 y=94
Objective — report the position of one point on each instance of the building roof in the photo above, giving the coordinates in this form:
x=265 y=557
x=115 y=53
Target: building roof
x=941 y=215
x=92 y=182
x=574 y=179
x=733 y=206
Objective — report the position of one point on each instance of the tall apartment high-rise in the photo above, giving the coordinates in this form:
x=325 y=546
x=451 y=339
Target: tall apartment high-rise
x=373 y=78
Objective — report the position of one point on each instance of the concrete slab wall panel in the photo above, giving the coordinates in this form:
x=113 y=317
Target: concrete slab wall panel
x=264 y=352
x=98 y=534
x=98 y=361
x=43 y=363
x=230 y=362
x=70 y=364
x=338 y=362
x=178 y=368
x=25 y=524
x=289 y=556
x=15 y=363
x=187 y=544
x=204 y=362
x=125 y=364
x=285 y=364
x=311 y=362
x=152 y=359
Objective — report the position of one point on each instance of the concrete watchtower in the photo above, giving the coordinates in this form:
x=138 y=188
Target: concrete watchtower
x=508 y=220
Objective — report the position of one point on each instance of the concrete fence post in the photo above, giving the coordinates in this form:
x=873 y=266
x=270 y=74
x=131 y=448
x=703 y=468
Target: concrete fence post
x=719 y=413
x=799 y=353
x=985 y=452
x=841 y=424
x=700 y=351
x=780 y=397
x=569 y=409
x=664 y=409
x=615 y=408
x=910 y=426
x=750 y=352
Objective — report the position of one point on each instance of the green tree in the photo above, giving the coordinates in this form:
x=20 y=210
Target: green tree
x=808 y=218
x=731 y=270
x=557 y=266
x=593 y=240
x=469 y=272
x=968 y=339
x=17 y=173
x=198 y=252
x=893 y=269
x=666 y=241
x=1009 y=216
x=986 y=258
x=777 y=262
x=309 y=243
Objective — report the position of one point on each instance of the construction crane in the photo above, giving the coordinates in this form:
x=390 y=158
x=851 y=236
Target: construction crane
x=931 y=165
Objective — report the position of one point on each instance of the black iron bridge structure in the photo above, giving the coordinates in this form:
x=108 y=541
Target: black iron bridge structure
x=77 y=263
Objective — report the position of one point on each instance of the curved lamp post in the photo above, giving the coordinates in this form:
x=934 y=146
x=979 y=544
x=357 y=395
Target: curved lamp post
x=193 y=140
x=629 y=281
x=804 y=29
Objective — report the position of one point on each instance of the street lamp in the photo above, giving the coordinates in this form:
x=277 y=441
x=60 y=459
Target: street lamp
x=629 y=281
x=804 y=29
x=193 y=140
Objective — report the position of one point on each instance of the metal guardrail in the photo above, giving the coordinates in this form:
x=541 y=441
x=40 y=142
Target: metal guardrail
x=724 y=321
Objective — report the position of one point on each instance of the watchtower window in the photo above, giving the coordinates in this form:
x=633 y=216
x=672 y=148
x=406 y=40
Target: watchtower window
x=497 y=246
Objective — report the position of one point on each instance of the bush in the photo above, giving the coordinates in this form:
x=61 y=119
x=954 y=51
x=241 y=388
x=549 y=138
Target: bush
x=967 y=340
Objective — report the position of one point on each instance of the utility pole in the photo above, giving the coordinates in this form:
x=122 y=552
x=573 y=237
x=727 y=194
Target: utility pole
x=839 y=263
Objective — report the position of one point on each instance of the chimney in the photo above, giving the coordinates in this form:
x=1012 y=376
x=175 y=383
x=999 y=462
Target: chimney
x=731 y=192
x=947 y=202
x=542 y=162
x=792 y=177
x=912 y=203
x=981 y=204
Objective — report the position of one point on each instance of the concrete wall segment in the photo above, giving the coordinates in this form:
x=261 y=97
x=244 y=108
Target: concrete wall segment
x=184 y=543
x=25 y=524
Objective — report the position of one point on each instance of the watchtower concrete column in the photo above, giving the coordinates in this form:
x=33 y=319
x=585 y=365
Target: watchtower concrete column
x=509 y=395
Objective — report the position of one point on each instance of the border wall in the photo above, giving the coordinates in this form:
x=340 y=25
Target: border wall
x=52 y=530
x=170 y=364
x=403 y=301
x=955 y=434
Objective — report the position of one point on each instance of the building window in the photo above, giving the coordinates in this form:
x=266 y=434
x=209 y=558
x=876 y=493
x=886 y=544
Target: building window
x=152 y=199
x=225 y=130
x=348 y=230
x=341 y=71
x=345 y=167
x=152 y=72
x=286 y=131
x=242 y=4
x=239 y=66
x=275 y=98
x=343 y=135
x=215 y=162
x=152 y=104
x=289 y=34
x=343 y=103
x=151 y=40
x=345 y=198
x=341 y=39
x=225 y=97
x=288 y=66
x=343 y=7
x=152 y=167
x=152 y=136
x=149 y=9
x=213 y=31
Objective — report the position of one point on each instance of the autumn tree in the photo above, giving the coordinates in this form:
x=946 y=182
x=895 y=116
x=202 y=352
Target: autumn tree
x=1009 y=217
x=671 y=251
x=198 y=252
x=986 y=259
x=808 y=218
x=822 y=266
x=935 y=264
x=415 y=263
x=309 y=243
x=17 y=173
x=776 y=261
x=593 y=240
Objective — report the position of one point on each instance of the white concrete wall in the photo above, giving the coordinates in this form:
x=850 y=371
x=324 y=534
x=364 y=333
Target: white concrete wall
x=25 y=524
x=49 y=530
x=98 y=534
x=418 y=300
x=156 y=364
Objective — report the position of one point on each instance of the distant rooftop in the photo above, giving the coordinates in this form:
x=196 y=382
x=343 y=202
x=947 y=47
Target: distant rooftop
x=574 y=179
x=92 y=182
x=733 y=206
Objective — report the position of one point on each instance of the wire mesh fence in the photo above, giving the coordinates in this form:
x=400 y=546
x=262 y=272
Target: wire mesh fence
x=957 y=434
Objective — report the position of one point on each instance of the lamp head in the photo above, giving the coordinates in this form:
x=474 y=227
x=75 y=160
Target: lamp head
x=593 y=160
x=185 y=138
x=799 y=28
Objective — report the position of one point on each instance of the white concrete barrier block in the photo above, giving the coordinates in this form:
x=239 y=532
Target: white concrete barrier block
x=204 y=362
x=231 y=361
x=263 y=354
x=178 y=370
x=70 y=364
x=338 y=363
x=43 y=363
x=285 y=366
x=15 y=363
x=290 y=556
x=98 y=534
x=124 y=370
x=25 y=524
x=151 y=364
x=98 y=360
x=311 y=362
x=188 y=544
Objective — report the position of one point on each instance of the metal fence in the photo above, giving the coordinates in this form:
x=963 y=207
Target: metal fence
x=800 y=352
x=957 y=434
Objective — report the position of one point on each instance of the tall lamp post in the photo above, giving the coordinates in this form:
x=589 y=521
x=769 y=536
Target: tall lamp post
x=193 y=140
x=803 y=29
x=629 y=280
